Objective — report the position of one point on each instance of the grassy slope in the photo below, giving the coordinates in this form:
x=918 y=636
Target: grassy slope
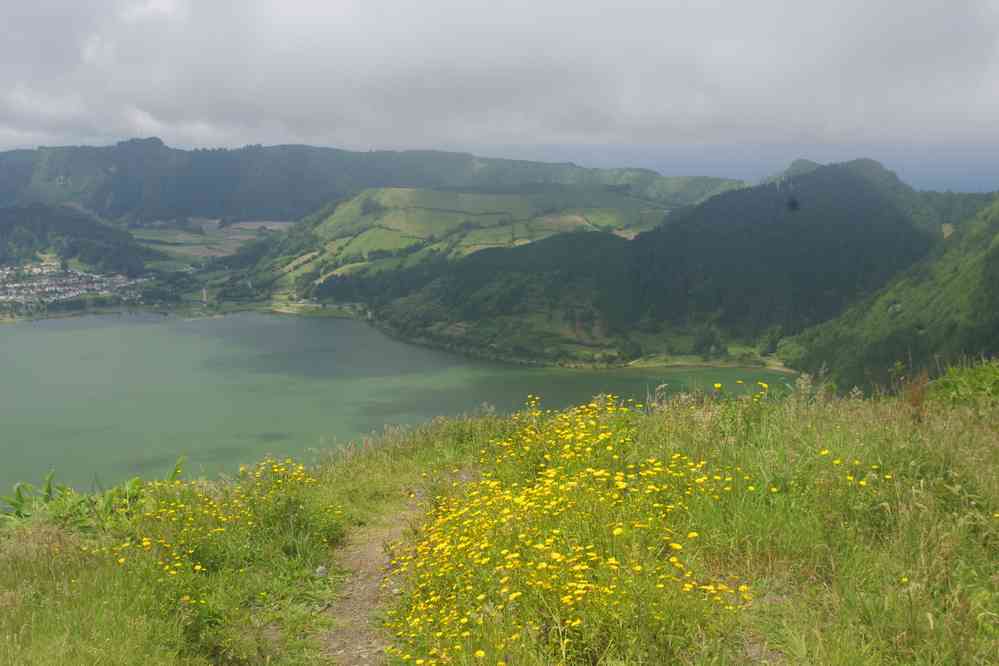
x=71 y=592
x=391 y=228
x=187 y=247
x=463 y=221
x=940 y=308
x=859 y=537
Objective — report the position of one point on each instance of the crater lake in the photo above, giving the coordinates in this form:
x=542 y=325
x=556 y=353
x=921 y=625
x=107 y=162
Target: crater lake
x=103 y=398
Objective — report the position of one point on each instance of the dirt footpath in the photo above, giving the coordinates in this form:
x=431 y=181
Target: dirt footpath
x=356 y=638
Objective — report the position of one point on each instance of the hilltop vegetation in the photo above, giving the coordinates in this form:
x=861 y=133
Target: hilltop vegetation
x=944 y=308
x=935 y=211
x=143 y=179
x=27 y=231
x=158 y=191
x=545 y=263
x=394 y=229
x=700 y=530
x=747 y=266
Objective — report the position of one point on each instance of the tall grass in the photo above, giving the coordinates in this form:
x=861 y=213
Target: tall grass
x=192 y=572
x=811 y=529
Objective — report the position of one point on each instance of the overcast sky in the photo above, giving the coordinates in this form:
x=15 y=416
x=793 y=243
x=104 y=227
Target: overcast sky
x=729 y=87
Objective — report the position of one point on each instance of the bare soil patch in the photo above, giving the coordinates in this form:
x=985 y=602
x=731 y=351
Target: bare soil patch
x=356 y=638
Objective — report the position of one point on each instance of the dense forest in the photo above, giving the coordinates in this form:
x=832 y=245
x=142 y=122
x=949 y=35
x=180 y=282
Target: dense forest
x=26 y=231
x=943 y=309
x=753 y=265
x=782 y=255
x=143 y=179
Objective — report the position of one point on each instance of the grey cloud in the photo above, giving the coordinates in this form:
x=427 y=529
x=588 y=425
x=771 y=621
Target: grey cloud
x=373 y=73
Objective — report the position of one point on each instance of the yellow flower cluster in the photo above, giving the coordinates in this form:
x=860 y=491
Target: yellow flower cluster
x=855 y=472
x=570 y=538
x=182 y=528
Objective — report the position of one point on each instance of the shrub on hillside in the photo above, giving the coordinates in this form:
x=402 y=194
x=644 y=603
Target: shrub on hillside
x=968 y=384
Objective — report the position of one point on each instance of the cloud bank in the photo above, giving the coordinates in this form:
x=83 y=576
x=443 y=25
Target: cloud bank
x=486 y=74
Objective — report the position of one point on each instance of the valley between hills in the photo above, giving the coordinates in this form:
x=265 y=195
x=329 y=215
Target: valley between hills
x=839 y=268
x=830 y=498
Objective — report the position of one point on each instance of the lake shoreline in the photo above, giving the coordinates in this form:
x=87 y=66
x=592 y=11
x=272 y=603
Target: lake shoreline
x=651 y=362
x=185 y=311
x=359 y=313
x=126 y=393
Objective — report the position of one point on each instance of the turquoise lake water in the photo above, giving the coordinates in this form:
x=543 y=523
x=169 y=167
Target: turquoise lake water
x=103 y=398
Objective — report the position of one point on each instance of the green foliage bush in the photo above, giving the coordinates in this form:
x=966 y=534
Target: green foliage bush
x=199 y=557
x=968 y=384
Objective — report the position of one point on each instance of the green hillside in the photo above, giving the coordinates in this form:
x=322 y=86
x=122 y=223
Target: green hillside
x=943 y=308
x=457 y=223
x=547 y=301
x=536 y=261
x=143 y=179
x=951 y=209
x=786 y=256
x=936 y=211
x=16 y=167
x=393 y=229
x=743 y=527
x=757 y=262
x=27 y=231
x=798 y=167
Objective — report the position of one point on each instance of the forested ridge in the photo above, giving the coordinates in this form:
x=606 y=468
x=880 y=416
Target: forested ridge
x=840 y=267
x=143 y=179
x=27 y=231
x=942 y=309
x=751 y=266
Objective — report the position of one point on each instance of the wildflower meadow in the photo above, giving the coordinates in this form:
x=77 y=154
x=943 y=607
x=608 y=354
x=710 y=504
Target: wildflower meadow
x=742 y=525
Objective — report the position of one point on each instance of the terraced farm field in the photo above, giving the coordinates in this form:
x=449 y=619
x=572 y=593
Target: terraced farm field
x=185 y=246
x=389 y=228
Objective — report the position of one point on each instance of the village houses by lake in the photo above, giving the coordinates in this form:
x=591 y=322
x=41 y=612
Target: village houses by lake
x=49 y=283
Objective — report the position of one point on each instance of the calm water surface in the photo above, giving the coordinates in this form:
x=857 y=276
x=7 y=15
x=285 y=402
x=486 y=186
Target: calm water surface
x=103 y=398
